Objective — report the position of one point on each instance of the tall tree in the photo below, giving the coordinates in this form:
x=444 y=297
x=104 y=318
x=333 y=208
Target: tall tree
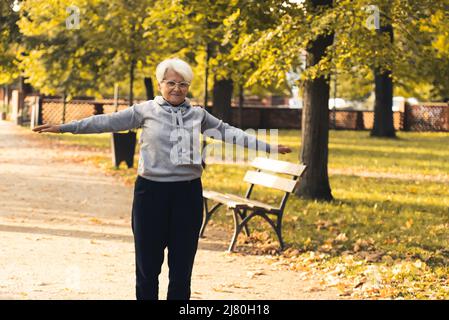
x=278 y=44
x=111 y=41
x=126 y=35
x=315 y=121
x=194 y=29
x=10 y=39
x=59 y=56
x=383 y=125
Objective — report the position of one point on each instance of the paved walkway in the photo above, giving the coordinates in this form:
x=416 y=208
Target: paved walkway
x=65 y=234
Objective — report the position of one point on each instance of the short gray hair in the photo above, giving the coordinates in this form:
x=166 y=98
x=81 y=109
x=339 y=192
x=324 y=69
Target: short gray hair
x=177 y=65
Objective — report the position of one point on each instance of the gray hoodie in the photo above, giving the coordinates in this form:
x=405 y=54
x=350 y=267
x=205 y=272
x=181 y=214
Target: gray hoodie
x=170 y=138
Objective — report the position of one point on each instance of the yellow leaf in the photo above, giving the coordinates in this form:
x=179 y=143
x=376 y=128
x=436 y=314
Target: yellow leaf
x=409 y=223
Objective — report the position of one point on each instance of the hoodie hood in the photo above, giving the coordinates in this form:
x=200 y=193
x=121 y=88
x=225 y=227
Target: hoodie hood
x=169 y=107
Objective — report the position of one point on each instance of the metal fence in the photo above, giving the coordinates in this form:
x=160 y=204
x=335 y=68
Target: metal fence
x=427 y=117
x=53 y=111
x=359 y=120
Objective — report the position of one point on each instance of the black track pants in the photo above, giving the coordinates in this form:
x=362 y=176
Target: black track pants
x=166 y=214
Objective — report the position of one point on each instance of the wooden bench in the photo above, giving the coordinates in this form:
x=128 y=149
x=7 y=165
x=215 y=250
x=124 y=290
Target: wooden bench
x=244 y=208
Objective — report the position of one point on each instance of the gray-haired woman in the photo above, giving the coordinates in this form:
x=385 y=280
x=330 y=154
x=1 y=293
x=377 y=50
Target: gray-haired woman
x=167 y=206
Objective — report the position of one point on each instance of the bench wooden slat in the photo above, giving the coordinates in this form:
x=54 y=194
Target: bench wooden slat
x=278 y=166
x=219 y=197
x=252 y=203
x=234 y=201
x=270 y=181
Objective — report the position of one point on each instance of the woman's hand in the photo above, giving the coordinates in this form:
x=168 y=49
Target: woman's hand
x=53 y=128
x=283 y=149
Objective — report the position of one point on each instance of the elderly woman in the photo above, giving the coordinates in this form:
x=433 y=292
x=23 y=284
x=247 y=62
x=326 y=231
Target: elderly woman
x=167 y=206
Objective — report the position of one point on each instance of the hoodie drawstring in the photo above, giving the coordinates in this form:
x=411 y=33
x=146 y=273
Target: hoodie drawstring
x=178 y=123
x=182 y=132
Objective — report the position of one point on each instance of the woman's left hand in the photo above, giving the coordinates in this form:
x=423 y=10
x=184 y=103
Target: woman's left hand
x=53 y=128
x=283 y=149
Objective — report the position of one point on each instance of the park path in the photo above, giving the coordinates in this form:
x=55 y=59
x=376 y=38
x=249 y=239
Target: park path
x=65 y=234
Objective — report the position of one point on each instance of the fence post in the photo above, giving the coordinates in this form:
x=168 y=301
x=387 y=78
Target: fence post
x=34 y=112
x=98 y=108
x=17 y=105
x=405 y=117
x=64 y=105
x=40 y=114
x=359 y=124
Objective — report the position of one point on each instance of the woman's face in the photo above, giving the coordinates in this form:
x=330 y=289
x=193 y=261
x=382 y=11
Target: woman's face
x=174 y=88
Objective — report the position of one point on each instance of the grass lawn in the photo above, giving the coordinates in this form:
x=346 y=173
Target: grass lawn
x=386 y=234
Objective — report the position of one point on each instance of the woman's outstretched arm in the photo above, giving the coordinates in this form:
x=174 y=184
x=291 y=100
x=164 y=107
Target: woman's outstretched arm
x=211 y=124
x=123 y=120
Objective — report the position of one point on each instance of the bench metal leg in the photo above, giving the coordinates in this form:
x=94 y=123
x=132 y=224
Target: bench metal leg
x=207 y=215
x=277 y=228
x=237 y=229
x=238 y=226
x=243 y=215
x=279 y=232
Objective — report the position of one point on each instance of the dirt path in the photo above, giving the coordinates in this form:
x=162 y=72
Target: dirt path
x=65 y=234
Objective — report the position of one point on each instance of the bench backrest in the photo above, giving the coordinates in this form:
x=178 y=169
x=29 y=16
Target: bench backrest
x=271 y=180
x=278 y=166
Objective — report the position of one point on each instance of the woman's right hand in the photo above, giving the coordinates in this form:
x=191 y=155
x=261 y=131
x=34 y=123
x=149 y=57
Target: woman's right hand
x=53 y=128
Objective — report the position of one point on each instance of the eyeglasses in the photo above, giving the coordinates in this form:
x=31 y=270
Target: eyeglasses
x=172 y=84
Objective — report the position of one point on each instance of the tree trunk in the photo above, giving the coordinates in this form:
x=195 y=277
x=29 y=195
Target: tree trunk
x=64 y=105
x=131 y=82
x=206 y=75
x=222 y=99
x=149 y=88
x=383 y=106
x=241 y=102
x=314 y=184
x=5 y=95
x=383 y=125
x=24 y=87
